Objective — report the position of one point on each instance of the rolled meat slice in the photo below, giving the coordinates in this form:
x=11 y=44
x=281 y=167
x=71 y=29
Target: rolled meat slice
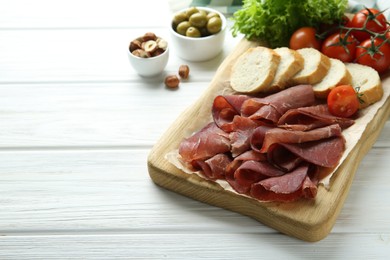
x=325 y=152
x=288 y=187
x=242 y=128
x=250 y=172
x=261 y=141
x=306 y=118
x=215 y=167
x=204 y=144
x=225 y=108
x=272 y=107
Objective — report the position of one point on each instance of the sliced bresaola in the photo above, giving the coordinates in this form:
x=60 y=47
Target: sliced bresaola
x=215 y=167
x=249 y=155
x=287 y=187
x=324 y=152
x=306 y=118
x=242 y=128
x=263 y=138
x=250 y=172
x=272 y=107
x=225 y=108
x=204 y=144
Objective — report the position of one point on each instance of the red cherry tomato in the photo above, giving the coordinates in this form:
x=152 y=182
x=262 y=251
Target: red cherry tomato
x=374 y=53
x=374 y=19
x=340 y=47
x=343 y=101
x=305 y=37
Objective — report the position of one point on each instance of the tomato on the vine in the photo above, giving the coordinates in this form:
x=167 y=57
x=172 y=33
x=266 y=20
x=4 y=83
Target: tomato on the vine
x=340 y=46
x=373 y=19
x=305 y=37
x=343 y=101
x=374 y=53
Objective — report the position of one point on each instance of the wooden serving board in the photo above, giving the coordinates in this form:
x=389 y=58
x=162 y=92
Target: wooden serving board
x=309 y=220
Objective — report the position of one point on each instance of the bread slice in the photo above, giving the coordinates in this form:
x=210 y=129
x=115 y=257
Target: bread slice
x=337 y=75
x=254 y=70
x=366 y=81
x=316 y=66
x=290 y=64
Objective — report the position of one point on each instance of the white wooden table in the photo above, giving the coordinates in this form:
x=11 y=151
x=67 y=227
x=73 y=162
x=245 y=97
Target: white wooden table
x=77 y=124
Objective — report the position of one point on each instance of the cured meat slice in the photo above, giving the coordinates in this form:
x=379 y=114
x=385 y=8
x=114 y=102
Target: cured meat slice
x=215 y=167
x=306 y=118
x=242 y=128
x=265 y=113
x=204 y=144
x=278 y=135
x=250 y=172
x=325 y=152
x=288 y=187
x=294 y=97
x=225 y=108
x=251 y=155
x=282 y=158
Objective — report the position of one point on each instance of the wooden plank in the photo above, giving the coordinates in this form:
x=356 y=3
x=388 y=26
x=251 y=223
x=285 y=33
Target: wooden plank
x=83 y=14
x=196 y=245
x=304 y=219
x=94 y=191
x=91 y=114
x=87 y=55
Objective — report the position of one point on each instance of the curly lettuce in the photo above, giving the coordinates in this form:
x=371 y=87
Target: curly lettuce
x=274 y=21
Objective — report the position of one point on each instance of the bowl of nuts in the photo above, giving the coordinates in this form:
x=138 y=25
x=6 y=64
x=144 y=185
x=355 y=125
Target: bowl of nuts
x=148 y=54
x=198 y=33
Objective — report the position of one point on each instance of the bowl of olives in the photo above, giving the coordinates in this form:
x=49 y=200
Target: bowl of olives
x=198 y=33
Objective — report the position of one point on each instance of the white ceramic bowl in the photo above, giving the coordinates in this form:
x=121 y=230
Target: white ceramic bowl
x=149 y=67
x=199 y=49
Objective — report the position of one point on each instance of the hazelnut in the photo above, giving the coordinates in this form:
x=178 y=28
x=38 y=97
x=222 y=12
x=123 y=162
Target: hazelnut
x=157 y=52
x=162 y=44
x=149 y=36
x=134 y=45
x=140 y=53
x=149 y=46
x=184 y=71
x=172 y=81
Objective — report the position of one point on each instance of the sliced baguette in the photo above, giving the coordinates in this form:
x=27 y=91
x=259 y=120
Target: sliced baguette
x=338 y=74
x=316 y=66
x=290 y=64
x=367 y=82
x=254 y=70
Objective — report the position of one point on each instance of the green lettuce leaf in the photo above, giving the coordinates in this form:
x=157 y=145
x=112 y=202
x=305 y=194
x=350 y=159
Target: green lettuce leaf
x=275 y=20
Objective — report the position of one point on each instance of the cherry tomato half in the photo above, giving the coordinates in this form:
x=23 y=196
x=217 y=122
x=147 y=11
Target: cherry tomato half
x=305 y=37
x=343 y=101
x=340 y=47
x=376 y=22
x=374 y=53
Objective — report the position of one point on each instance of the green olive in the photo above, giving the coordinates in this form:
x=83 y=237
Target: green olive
x=182 y=27
x=203 y=12
x=190 y=11
x=212 y=14
x=193 y=32
x=179 y=17
x=214 y=25
x=198 y=20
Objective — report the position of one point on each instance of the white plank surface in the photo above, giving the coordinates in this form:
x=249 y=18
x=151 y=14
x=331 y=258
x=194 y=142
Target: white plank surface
x=77 y=124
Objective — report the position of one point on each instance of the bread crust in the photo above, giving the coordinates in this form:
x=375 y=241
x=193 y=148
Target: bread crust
x=338 y=74
x=283 y=78
x=366 y=82
x=254 y=70
x=316 y=74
